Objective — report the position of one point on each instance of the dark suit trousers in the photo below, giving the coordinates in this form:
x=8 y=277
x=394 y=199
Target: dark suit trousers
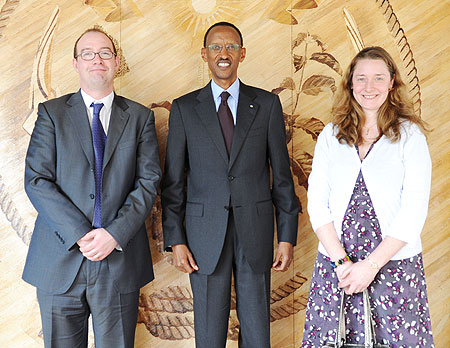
x=65 y=316
x=212 y=299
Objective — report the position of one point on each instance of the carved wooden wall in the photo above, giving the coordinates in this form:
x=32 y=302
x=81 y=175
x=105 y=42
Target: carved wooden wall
x=296 y=48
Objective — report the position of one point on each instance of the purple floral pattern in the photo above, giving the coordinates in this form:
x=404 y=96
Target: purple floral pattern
x=398 y=293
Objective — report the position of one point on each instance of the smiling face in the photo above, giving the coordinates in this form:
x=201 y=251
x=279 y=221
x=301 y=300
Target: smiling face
x=97 y=75
x=371 y=83
x=224 y=64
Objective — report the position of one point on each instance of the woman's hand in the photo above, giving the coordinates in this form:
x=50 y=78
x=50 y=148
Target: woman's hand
x=343 y=270
x=356 y=277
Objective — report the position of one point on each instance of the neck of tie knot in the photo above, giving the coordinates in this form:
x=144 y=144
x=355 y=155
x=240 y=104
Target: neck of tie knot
x=224 y=95
x=97 y=107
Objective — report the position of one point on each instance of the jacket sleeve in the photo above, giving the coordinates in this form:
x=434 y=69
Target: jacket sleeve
x=410 y=218
x=283 y=191
x=52 y=205
x=139 y=201
x=173 y=193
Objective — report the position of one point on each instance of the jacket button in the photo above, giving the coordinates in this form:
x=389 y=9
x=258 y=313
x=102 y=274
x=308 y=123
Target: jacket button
x=92 y=196
x=230 y=177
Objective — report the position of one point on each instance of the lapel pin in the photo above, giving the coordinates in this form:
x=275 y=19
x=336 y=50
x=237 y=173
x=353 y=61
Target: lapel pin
x=251 y=106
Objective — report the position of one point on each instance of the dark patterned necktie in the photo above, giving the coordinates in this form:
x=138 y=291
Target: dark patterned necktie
x=99 y=140
x=226 y=121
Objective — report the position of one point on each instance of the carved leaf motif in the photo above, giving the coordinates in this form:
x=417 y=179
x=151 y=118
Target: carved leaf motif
x=288 y=83
x=299 y=62
x=316 y=84
x=279 y=11
x=319 y=42
x=312 y=126
x=301 y=168
x=327 y=59
x=289 y=128
x=305 y=5
x=299 y=40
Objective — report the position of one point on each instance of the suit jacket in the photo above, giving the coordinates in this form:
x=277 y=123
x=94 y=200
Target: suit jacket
x=59 y=181
x=196 y=152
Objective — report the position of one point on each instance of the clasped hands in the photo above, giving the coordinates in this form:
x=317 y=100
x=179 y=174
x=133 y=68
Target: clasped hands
x=97 y=244
x=355 y=277
x=184 y=261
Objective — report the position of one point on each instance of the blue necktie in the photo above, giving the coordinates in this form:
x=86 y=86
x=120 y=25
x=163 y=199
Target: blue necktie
x=99 y=140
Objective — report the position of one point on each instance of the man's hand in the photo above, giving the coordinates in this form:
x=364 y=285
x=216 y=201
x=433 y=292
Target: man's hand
x=97 y=244
x=183 y=259
x=284 y=256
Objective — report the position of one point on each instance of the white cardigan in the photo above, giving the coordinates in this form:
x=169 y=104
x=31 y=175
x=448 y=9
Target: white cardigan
x=397 y=175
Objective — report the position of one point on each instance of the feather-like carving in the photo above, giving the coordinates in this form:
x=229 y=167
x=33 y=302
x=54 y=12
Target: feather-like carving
x=40 y=88
x=405 y=52
x=353 y=31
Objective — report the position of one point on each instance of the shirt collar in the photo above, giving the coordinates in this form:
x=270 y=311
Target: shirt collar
x=233 y=90
x=107 y=101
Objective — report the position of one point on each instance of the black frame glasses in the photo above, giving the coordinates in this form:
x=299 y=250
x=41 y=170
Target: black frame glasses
x=90 y=55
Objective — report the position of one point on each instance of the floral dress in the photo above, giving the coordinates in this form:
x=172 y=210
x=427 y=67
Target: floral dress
x=398 y=294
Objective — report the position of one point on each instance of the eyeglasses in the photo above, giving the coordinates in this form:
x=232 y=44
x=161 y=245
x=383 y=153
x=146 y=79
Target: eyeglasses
x=90 y=55
x=229 y=47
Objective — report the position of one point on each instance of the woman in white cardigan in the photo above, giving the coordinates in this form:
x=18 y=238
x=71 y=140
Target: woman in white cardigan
x=367 y=200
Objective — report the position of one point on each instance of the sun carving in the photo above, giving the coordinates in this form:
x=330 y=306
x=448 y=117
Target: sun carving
x=197 y=15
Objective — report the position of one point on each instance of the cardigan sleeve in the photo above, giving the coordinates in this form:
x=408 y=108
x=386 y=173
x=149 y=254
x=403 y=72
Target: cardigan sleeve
x=410 y=218
x=318 y=182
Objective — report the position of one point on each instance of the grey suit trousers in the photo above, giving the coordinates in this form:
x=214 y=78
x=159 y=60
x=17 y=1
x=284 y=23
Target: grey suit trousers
x=65 y=316
x=212 y=299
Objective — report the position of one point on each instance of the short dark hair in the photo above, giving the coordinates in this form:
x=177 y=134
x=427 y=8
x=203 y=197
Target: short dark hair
x=96 y=30
x=223 y=24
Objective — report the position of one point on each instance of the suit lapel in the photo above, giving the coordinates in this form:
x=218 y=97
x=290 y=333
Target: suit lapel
x=117 y=122
x=207 y=113
x=80 y=121
x=246 y=113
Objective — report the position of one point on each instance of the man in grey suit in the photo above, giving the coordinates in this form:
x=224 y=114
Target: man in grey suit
x=218 y=195
x=92 y=172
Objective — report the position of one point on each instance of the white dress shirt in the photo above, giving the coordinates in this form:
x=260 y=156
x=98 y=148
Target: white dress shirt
x=105 y=111
x=398 y=179
x=105 y=115
x=233 y=99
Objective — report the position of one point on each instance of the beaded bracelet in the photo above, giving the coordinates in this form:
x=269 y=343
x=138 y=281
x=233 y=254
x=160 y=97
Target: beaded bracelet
x=340 y=261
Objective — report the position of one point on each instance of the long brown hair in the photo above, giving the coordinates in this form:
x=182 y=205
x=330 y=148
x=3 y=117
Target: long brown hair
x=348 y=115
